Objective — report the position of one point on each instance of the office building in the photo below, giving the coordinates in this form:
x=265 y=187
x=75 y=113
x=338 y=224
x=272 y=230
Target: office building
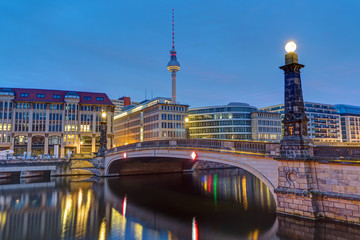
x=350 y=122
x=154 y=119
x=324 y=121
x=122 y=102
x=38 y=121
x=266 y=126
x=234 y=121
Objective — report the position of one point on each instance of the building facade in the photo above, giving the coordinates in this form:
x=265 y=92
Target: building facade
x=153 y=119
x=350 y=122
x=122 y=102
x=233 y=121
x=266 y=126
x=324 y=121
x=37 y=121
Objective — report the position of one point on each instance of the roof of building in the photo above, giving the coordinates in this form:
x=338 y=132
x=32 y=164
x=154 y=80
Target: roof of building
x=145 y=104
x=231 y=105
x=345 y=109
x=31 y=95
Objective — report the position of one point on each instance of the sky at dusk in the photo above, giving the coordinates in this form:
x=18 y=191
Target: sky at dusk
x=229 y=51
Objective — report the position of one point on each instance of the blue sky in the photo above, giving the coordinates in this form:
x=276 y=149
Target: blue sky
x=228 y=50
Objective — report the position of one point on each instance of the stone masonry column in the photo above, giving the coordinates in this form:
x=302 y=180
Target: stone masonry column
x=296 y=163
x=93 y=142
x=62 y=147
x=46 y=144
x=29 y=143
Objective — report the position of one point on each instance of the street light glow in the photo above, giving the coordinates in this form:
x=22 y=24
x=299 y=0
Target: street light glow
x=186 y=119
x=290 y=47
x=193 y=155
x=103 y=115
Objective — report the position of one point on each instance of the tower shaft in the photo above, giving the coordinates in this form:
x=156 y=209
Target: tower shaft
x=173 y=92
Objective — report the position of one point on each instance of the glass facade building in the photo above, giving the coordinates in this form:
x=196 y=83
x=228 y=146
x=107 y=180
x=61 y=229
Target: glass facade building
x=324 y=120
x=350 y=122
x=232 y=121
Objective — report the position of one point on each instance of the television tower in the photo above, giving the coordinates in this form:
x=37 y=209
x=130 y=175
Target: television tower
x=173 y=66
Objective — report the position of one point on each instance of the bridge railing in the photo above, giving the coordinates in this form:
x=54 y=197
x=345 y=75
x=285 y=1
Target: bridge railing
x=228 y=145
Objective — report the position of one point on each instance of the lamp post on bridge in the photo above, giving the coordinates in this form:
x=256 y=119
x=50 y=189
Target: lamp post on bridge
x=296 y=144
x=103 y=140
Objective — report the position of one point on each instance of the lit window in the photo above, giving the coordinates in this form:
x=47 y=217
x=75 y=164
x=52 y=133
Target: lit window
x=40 y=95
x=56 y=96
x=24 y=95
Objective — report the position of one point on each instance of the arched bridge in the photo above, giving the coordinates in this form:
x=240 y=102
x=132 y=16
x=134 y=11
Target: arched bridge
x=181 y=155
x=303 y=187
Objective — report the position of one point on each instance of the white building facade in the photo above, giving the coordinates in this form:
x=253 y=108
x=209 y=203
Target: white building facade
x=154 y=119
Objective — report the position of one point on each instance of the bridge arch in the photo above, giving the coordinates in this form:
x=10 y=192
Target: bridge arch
x=262 y=167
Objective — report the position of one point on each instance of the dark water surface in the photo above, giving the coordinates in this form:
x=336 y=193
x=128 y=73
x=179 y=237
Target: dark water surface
x=221 y=204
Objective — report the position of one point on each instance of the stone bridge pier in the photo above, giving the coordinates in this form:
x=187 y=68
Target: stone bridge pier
x=319 y=189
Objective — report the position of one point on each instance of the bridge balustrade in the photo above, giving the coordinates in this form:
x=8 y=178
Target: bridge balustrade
x=232 y=145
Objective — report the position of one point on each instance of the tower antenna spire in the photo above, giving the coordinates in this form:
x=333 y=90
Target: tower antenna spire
x=173 y=31
x=173 y=66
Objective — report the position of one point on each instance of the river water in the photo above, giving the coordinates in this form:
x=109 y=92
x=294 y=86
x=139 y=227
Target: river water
x=211 y=204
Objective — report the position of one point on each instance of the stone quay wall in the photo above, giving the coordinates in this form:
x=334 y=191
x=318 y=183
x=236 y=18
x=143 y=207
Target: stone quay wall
x=320 y=189
x=300 y=229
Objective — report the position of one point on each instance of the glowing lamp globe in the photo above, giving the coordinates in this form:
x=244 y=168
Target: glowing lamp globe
x=103 y=115
x=290 y=47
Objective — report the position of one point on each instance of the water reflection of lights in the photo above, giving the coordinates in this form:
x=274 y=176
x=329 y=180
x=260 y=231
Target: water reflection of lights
x=124 y=206
x=2 y=220
x=79 y=197
x=118 y=224
x=244 y=193
x=82 y=214
x=195 y=233
x=215 y=189
x=240 y=187
x=65 y=215
x=102 y=232
x=254 y=235
x=138 y=231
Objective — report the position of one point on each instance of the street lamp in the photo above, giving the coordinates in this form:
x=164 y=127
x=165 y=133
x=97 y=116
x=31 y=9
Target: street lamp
x=103 y=141
x=187 y=131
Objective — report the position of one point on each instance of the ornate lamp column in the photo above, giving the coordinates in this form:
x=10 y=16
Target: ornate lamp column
x=103 y=140
x=296 y=143
x=297 y=182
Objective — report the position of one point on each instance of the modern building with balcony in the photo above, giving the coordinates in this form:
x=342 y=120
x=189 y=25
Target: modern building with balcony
x=154 y=119
x=237 y=121
x=38 y=121
x=324 y=120
x=350 y=122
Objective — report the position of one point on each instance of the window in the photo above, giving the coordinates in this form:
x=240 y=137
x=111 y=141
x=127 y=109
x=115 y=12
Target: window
x=40 y=95
x=87 y=98
x=24 y=95
x=99 y=99
x=56 y=96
